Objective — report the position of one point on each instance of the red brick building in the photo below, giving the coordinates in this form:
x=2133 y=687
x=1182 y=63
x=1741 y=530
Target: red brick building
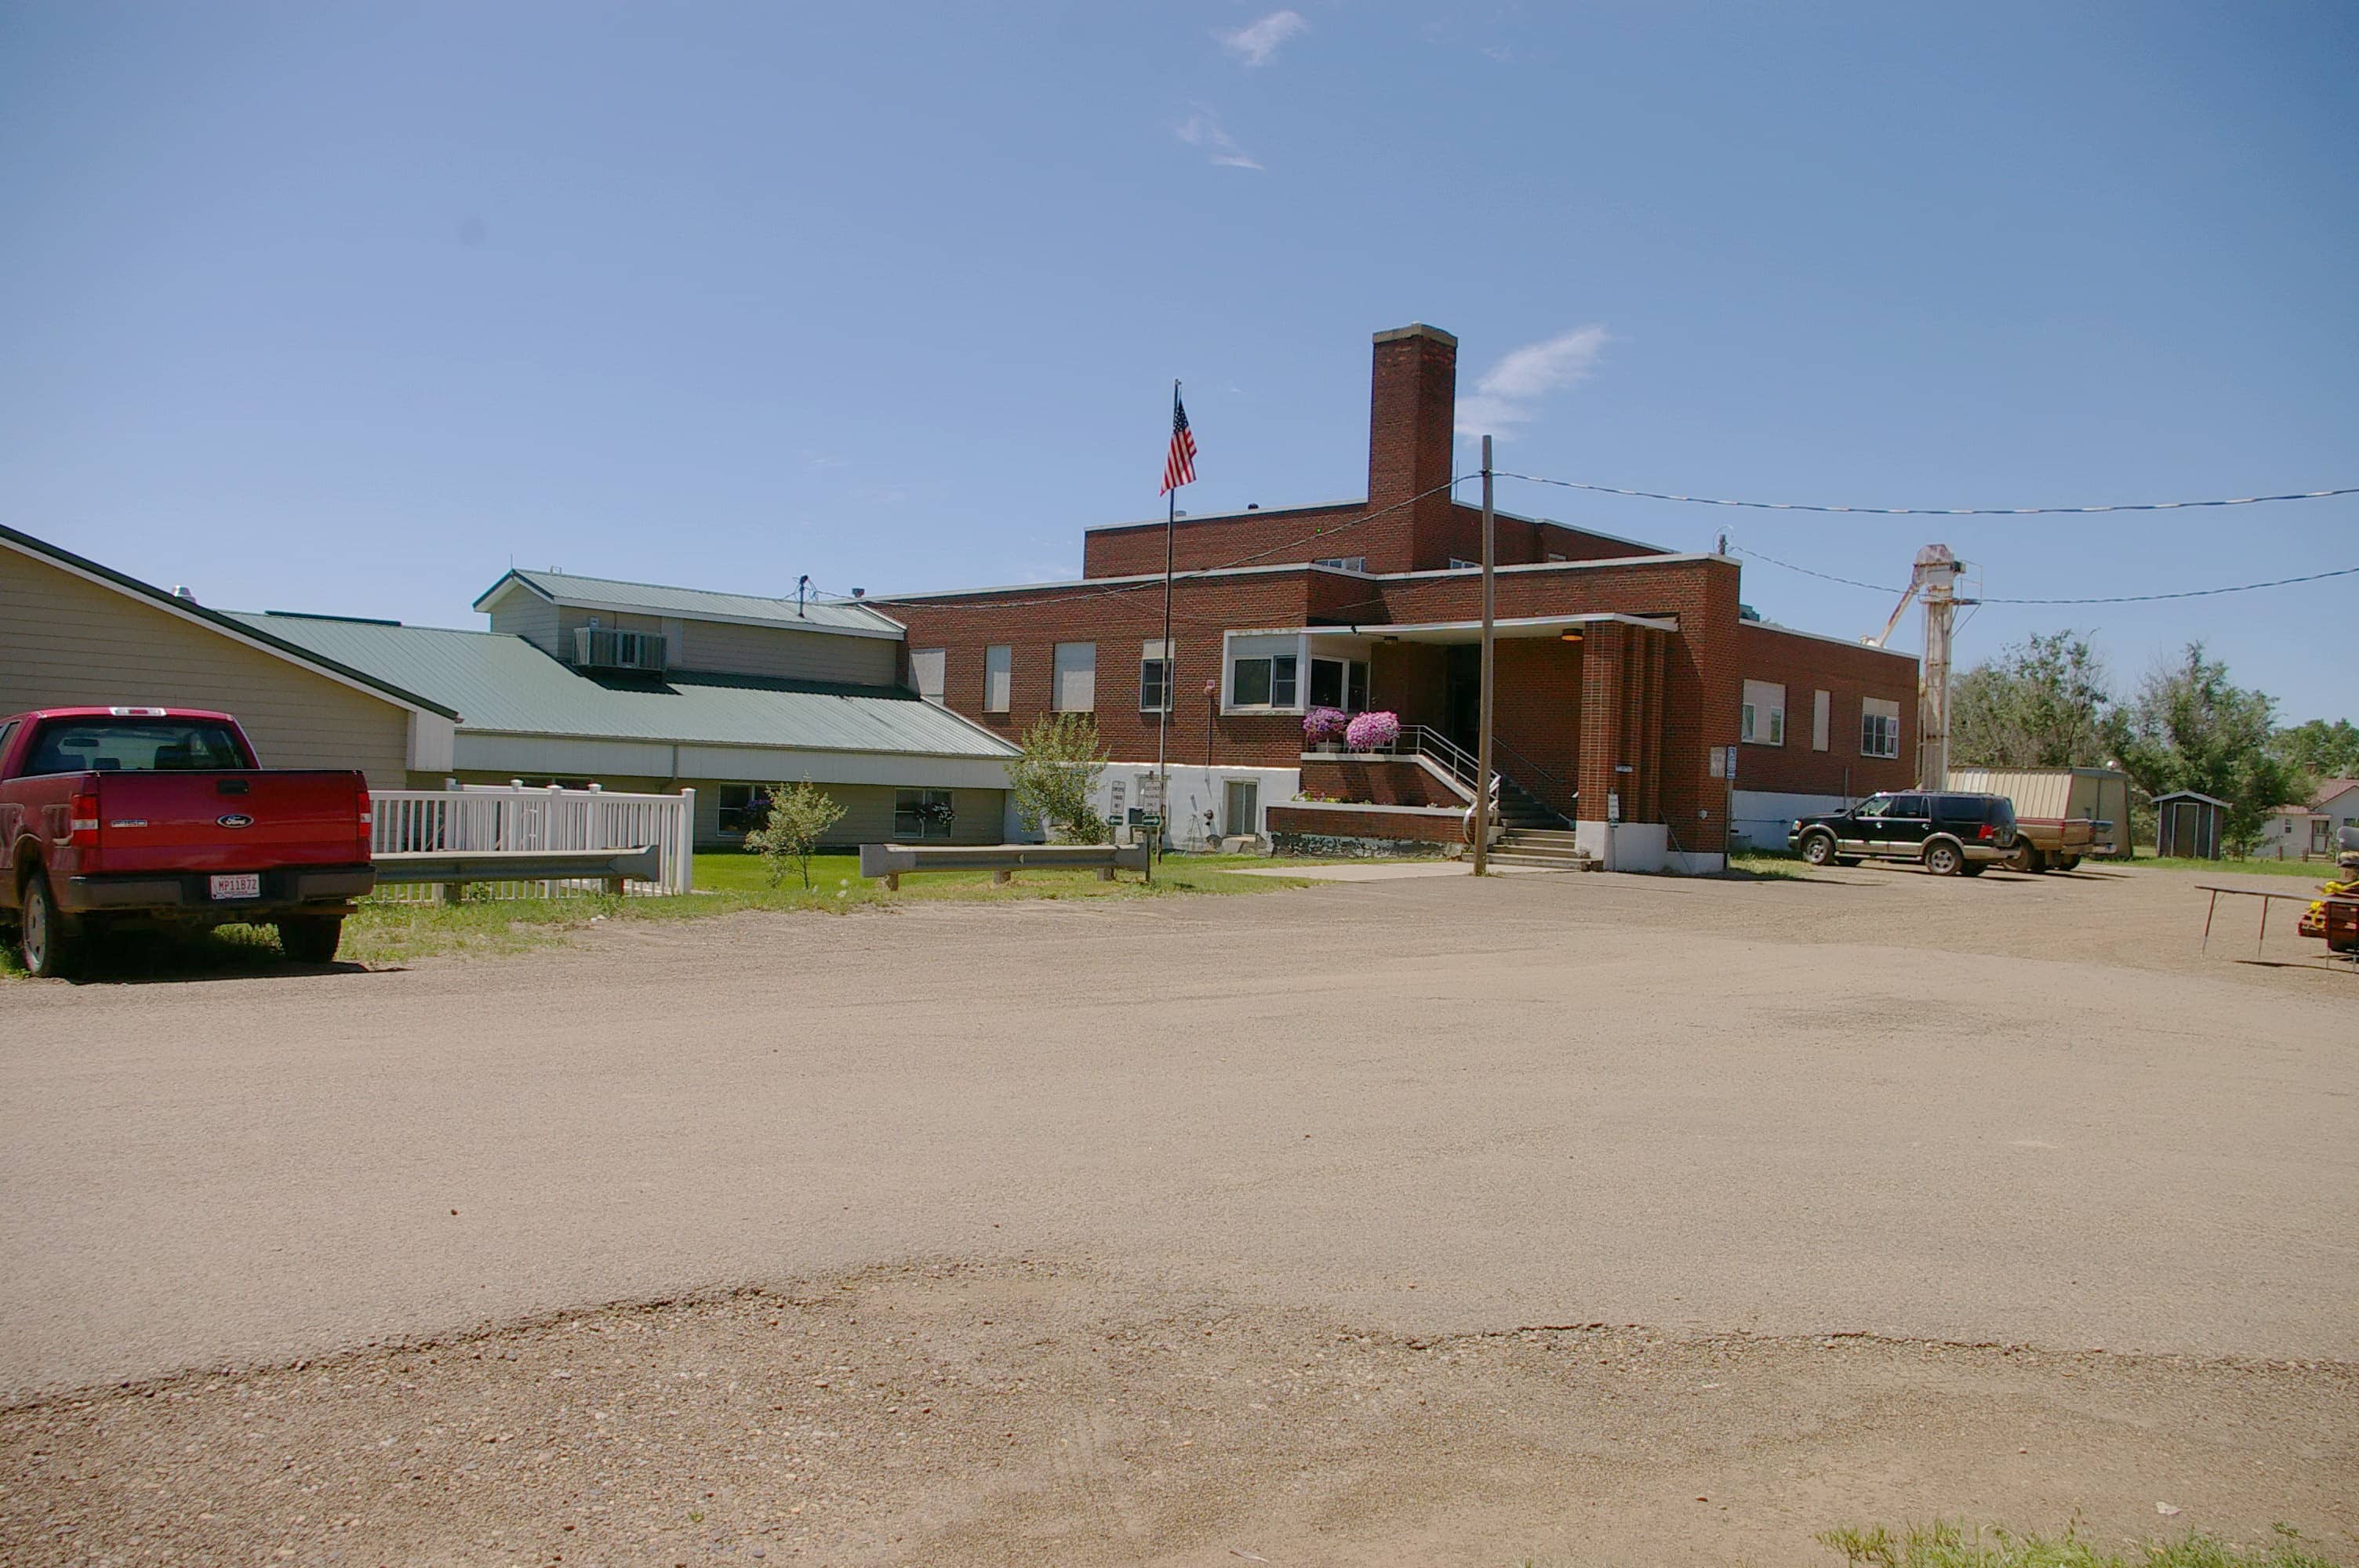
x=1625 y=673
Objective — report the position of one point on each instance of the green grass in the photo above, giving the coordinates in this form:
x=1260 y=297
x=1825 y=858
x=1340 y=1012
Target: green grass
x=1943 y=1545
x=2316 y=870
x=384 y=932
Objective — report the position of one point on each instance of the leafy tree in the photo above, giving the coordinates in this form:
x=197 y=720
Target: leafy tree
x=2041 y=703
x=1053 y=780
x=2190 y=727
x=2321 y=750
x=800 y=815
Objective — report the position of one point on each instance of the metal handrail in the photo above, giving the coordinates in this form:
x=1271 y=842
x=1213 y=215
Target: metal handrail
x=1423 y=739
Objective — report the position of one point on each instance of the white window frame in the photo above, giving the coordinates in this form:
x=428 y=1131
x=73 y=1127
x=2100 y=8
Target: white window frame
x=925 y=662
x=1823 y=712
x=1153 y=653
x=1351 y=668
x=1880 y=720
x=1241 y=647
x=1344 y=563
x=998 y=677
x=1763 y=721
x=1064 y=668
x=927 y=829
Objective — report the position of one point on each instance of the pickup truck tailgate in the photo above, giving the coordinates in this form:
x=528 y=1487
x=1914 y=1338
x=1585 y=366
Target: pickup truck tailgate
x=228 y=821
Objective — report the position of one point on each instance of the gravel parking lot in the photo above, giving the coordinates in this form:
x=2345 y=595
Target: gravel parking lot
x=1578 y=1218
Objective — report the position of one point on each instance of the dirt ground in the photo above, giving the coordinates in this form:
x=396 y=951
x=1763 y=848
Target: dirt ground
x=1560 y=1219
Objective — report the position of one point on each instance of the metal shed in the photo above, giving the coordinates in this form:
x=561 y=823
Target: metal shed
x=2188 y=824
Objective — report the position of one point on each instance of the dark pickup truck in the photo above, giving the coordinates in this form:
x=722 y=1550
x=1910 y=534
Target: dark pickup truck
x=117 y=816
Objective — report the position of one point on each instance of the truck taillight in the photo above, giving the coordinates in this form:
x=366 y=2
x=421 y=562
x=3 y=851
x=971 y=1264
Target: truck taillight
x=365 y=829
x=81 y=820
x=1986 y=831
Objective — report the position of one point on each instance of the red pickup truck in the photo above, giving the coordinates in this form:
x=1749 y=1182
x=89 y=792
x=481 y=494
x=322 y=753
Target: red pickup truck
x=113 y=816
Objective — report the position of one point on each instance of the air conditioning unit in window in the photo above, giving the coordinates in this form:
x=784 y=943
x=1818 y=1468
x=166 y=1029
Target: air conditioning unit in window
x=603 y=648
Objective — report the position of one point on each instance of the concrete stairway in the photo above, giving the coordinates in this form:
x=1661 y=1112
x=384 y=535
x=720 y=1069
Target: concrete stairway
x=1551 y=847
x=1535 y=836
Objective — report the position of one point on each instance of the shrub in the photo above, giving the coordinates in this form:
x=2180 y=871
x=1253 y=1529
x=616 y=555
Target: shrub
x=1373 y=731
x=1054 y=778
x=800 y=817
x=1325 y=724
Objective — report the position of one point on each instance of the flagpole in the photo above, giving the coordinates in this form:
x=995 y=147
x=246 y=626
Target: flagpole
x=1170 y=667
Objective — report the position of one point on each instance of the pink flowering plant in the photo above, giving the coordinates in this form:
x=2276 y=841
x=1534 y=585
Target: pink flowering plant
x=1324 y=724
x=1371 y=731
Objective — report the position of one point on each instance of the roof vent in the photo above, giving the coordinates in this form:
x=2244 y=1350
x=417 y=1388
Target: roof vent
x=182 y=592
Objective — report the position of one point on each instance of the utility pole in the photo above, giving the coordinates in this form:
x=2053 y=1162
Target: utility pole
x=1483 y=736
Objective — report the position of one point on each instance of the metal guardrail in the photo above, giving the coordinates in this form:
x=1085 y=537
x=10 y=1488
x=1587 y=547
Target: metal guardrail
x=449 y=872
x=1001 y=860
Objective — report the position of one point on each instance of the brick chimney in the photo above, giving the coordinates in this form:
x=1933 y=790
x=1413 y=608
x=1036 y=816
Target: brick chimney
x=1412 y=409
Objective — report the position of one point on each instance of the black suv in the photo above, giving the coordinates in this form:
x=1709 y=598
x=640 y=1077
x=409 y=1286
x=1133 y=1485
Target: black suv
x=1954 y=835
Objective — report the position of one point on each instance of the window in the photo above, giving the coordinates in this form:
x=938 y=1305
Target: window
x=1765 y=714
x=922 y=814
x=1154 y=677
x=1879 y=728
x=1822 y=708
x=1340 y=683
x=1076 y=689
x=132 y=745
x=998 y=669
x=1344 y=563
x=1460 y=564
x=744 y=808
x=1263 y=682
x=926 y=670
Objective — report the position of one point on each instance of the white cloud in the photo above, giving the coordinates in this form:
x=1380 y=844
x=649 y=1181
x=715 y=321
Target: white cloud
x=1258 y=43
x=1502 y=398
x=1201 y=128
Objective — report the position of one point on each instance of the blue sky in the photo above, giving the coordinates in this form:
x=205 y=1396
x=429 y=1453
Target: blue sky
x=342 y=308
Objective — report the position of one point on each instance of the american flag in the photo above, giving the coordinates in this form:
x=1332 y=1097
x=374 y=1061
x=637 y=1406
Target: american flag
x=1179 y=466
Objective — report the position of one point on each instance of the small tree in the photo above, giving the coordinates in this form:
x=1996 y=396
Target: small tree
x=801 y=815
x=1054 y=778
x=2320 y=749
x=2190 y=727
x=2041 y=703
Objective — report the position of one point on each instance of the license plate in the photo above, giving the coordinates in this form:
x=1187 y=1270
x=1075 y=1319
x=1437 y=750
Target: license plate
x=244 y=884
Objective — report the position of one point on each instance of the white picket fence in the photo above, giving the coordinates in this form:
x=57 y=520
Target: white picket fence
x=500 y=816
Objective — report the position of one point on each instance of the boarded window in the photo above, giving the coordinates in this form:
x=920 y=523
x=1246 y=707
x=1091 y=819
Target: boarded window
x=1765 y=714
x=1823 y=712
x=999 y=672
x=1077 y=678
x=926 y=669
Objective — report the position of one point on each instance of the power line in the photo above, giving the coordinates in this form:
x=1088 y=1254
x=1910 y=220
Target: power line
x=2099 y=598
x=2187 y=593
x=1806 y=571
x=1927 y=511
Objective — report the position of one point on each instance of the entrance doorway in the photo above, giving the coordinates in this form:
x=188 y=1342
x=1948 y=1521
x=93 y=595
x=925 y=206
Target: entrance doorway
x=1462 y=694
x=1244 y=807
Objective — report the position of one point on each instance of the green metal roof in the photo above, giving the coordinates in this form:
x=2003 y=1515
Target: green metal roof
x=507 y=686
x=699 y=604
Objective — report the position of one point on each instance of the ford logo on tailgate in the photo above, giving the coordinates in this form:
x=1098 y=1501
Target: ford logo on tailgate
x=235 y=819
